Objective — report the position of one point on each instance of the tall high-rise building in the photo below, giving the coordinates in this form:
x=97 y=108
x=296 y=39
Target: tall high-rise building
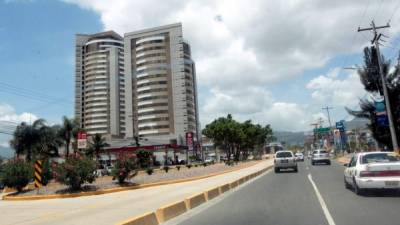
x=161 y=92
x=99 y=83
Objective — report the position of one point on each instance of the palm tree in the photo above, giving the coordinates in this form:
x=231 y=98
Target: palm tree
x=50 y=141
x=66 y=132
x=27 y=137
x=96 y=145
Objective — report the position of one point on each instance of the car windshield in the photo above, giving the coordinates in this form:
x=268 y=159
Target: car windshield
x=378 y=157
x=283 y=154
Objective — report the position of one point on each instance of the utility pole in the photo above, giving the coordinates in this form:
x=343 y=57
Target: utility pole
x=327 y=108
x=375 y=41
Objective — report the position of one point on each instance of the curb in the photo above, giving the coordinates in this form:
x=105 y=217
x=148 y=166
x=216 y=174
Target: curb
x=173 y=210
x=8 y=197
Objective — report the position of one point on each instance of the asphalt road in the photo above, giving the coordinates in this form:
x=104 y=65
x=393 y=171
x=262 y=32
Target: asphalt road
x=290 y=199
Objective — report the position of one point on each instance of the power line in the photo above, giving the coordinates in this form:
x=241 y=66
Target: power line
x=355 y=33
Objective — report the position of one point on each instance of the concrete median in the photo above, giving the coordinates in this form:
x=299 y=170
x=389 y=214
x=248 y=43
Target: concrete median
x=195 y=200
x=234 y=184
x=224 y=188
x=146 y=219
x=170 y=211
x=212 y=193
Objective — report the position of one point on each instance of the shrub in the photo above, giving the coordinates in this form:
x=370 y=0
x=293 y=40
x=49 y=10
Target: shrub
x=205 y=164
x=144 y=157
x=166 y=168
x=189 y=166
x=195 y=165
x=125 y=167
x=75 y=171
x=17 y=174
x=178 y=167
x=149 y=171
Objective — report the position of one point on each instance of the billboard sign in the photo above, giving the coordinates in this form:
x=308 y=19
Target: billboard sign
x=189 y=140
x=82 y=140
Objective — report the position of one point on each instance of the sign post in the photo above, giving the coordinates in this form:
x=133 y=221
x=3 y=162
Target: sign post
x=189 y=144
x=38 y=174
x=82 y=140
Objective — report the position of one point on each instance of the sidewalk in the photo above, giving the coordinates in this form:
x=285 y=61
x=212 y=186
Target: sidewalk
x=112 y=208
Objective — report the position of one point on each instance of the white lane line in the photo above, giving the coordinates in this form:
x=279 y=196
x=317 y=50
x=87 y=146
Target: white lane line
x=322 y=202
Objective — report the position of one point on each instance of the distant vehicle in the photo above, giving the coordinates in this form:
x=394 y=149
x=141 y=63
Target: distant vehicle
x=372 y=170
x=320 y=156
x=209 y=160
x=299 y=156
x=285 y=160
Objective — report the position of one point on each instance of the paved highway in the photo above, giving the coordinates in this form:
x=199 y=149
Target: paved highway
x=291 y=199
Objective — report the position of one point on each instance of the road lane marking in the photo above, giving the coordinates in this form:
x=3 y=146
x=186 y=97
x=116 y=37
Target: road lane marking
x=322 y=202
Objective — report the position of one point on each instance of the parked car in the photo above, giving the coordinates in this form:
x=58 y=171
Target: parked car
x=372 y=170
x=299 y=156
x=320 y=156
x=285 y=160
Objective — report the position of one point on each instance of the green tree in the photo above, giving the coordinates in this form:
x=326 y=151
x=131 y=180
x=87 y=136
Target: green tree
x=370 y=78
x=97 y=144
x=237 y=139
x=27 y=137
x=66 y=132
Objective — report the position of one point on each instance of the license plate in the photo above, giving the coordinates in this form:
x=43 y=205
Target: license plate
x=391 y=183
x=284 y=161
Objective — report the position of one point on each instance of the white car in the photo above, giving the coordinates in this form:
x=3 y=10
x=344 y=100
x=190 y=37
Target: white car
x=372 y=170
x=299 y=156
x=285 y=160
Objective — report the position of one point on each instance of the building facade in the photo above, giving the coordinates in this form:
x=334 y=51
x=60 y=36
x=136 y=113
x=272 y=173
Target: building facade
x=160 y=85
x=100 y=84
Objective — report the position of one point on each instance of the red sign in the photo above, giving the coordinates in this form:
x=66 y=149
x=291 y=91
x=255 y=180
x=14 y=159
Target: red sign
x=82 y=140
x=82 y=135
x=189 y=140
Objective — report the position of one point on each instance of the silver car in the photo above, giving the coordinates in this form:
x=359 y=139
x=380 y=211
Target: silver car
x=320 y=156
x=285 y=160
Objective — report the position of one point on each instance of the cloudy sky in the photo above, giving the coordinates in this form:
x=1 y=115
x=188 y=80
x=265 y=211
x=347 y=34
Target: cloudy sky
x=275 y=62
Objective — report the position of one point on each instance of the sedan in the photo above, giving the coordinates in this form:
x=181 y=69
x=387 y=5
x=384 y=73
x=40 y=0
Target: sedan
x=372 y=170
x=285 y=160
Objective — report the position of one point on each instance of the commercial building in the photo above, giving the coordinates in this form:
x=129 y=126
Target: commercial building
x=160 y=85
x=99 y=84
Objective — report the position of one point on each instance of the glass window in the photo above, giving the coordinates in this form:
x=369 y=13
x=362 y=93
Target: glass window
x=378 y=158
x=284 y=154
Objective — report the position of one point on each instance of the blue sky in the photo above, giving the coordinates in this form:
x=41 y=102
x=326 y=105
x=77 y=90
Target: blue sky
x=265 y=65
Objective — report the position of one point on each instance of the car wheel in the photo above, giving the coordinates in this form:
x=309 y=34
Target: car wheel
x=357 y=190
x=328 y=163
x=295 y=169
x=276 y=170
x=312 y=163
x=346 y=184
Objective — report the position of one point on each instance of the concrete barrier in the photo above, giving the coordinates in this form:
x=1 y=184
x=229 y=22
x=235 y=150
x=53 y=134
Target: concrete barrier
x=224 y=188
x=241 y=180
x=195 y=200
x=170 y=211
x=234 y=184
x=212 y=193
x=146 y=219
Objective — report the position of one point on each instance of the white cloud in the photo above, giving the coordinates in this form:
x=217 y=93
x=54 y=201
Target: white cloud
x=330 y=89
x=241 y=48
x=8 y=114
